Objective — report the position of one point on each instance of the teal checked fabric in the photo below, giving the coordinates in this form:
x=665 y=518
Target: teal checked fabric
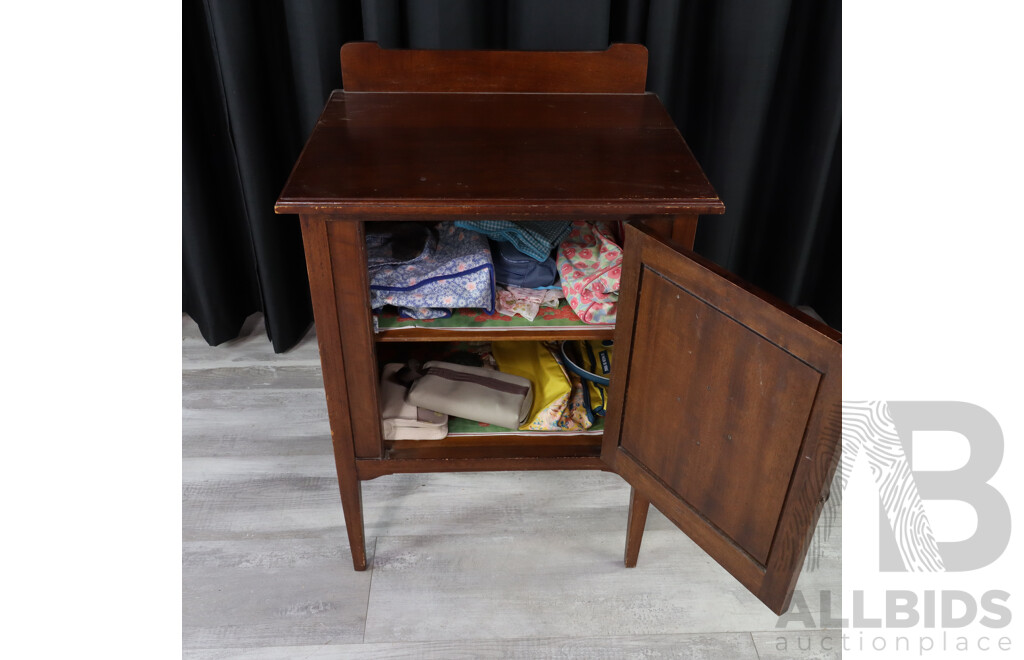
x=535 y=239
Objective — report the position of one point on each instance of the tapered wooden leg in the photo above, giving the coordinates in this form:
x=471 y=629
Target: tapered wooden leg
x=351 y=499
x=352 y=505
x=332 y=359
x=638 y=506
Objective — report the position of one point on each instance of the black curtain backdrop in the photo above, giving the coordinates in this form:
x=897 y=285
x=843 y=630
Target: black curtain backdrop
x=753 y=86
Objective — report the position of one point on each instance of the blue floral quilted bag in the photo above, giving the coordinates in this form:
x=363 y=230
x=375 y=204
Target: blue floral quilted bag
x=452 y=270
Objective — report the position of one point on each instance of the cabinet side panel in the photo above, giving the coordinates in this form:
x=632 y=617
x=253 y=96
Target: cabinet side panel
x=321 y=286
x=355 y=324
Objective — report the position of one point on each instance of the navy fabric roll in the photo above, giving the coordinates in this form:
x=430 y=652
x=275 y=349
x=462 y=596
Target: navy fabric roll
x=514 y=268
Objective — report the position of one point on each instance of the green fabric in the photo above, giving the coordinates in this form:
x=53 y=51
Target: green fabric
x=561 y=316
x=457 y=425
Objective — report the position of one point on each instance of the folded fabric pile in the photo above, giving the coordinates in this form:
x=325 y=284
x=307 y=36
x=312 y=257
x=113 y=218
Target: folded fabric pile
x=590 y=264
x=526 y=302
x=426 y=271
x=404 y=421
x=512 y=267
x=536 y=239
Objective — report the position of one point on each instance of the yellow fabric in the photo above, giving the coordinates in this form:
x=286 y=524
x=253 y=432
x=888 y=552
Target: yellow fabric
x=551 y=385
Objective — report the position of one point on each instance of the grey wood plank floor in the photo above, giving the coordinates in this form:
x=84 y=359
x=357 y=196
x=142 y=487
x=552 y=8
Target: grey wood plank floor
x=481 y=565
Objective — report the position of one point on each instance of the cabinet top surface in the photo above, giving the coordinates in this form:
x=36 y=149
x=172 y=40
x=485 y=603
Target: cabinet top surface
x=495 y=153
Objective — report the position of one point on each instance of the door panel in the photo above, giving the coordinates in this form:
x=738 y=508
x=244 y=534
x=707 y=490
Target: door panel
x=720 y=464
x=722 y=416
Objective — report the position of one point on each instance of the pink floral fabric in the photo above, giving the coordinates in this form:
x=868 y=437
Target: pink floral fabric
x=590 y=265
x=514 y=300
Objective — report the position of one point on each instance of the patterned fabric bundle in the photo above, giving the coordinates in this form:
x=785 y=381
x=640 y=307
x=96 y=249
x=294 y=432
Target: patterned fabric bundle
x=557 y=394
x=590 y=263
x=526 y=302
x=591 y=361
x=535 y=239
x=452 y=270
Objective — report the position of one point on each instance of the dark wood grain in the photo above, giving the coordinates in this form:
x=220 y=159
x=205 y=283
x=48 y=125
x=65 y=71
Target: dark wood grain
x=388 y=155
x=682 y=229
x=328 y=334
x=720 y=547
x=625 y=322
x=355 y=321
x=371 y=469
x=638 y=508
x=721 y=420
x=685 y=228
x=730 y=284
x=523 y=445
x=808 y=493
x=366 y=67
x=696 y=358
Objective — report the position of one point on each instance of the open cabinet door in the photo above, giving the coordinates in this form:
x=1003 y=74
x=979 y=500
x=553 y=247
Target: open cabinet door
x=724 y=411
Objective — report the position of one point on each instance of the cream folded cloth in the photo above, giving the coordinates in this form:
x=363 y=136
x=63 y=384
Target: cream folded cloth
x=404 y=421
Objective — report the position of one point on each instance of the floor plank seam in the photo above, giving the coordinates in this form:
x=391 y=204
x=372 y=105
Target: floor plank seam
x=369 y=589
x=781 y=631
x=548 y=638
x=317 y=647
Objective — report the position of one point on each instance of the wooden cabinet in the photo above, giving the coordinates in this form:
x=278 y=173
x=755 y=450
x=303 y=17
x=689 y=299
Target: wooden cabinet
x=724 y=404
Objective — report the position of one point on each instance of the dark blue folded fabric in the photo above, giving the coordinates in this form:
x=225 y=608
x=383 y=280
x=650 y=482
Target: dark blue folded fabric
x=514 y=268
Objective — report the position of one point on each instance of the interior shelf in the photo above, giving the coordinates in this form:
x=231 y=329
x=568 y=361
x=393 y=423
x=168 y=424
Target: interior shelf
x=476 y=325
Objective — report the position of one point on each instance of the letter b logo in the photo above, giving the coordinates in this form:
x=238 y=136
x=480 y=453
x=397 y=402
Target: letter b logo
x=883 y=430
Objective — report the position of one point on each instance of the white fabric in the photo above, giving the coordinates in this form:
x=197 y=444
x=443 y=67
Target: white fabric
x=403 y=421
